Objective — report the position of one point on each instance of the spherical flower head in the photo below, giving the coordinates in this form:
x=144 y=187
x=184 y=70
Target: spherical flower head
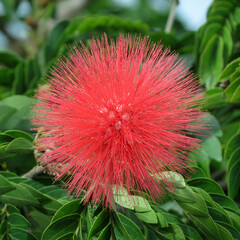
x=119 y=114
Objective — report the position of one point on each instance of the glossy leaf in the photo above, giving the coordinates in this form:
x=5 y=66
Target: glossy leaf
x=100 y=223
x=5 y=185
x=232 y=144
x=19 y=233
x=206 y=184
x=229 y=70
x=190 y=232
x=124 y=228
x=212 y=147
x=74 y=207
x=225 y=201
x=140 y=204
x=211 y=61
x=47 y=203
x=17 y=220
x=234 y=180
x=65 y=225
x=147 y=217
x=106 y=233
x=20 y=146
x=19 y=197
x=18 y=134
x=172 y=232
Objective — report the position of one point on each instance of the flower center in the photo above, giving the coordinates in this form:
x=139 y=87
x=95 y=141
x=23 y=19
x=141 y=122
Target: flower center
x=116 y=116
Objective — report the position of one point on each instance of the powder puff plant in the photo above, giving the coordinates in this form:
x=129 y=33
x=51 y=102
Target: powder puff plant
x=118 y=113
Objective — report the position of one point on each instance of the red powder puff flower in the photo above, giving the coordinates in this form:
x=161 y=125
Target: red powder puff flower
x=117 y=114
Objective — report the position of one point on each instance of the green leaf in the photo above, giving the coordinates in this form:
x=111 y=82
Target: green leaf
x=106 y=233
x=207 y=226
x=6 y=113
x=224 y=233
x=100 y=222
x=54 y=40
x=228 y=43
x=237 y=15
x=19 y=233
x=140 y=204
x=170 y=218
x=19 y=197
x=72 y=207
x=5 y=185
x=6 y=76
x=19 y=163
x=3 y=228
x=203 y=161
x=161 y=220
x=20 y=146
x=225 y=201
x=204 y=195
x=215 y=98
x=211 y=61
x=234 y=158
x=218 y=215
x=153 y=234
x=232 y=90
x=39 y=221
x=122 y=198
x=16 y=101
x=33 y=183
x=198 y=172
x=4 y=138
x=9 y=59
x=229 y=70
x=190 y=232
x=8 y=174
x=215 y=129
x=126 y=229
x=17 y=220
x=120 y=231
x=235 y=96
x=234 y=180
x=172 y=177
x=210 y=30
x=167 y=39
x=17 y=179
x=231 y=145
x=66 y=237
x=207 y=184
x=148 y=217
x=18 y=134
x=65 y=225
x=110 y=23
x=12 y=209
x=173 y=232
x=235 y=220
x=54 y=191
x=48 y=204
x=19 y=118
x=212 y=147
x=183 y=195
x=234 y=232
x=18 y=86
x=197 y=208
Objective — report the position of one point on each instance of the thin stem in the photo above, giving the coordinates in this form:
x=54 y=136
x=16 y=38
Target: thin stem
x=171 y=16
x=33 y=172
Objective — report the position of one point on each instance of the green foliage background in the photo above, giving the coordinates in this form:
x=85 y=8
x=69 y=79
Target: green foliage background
x=205 y=206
